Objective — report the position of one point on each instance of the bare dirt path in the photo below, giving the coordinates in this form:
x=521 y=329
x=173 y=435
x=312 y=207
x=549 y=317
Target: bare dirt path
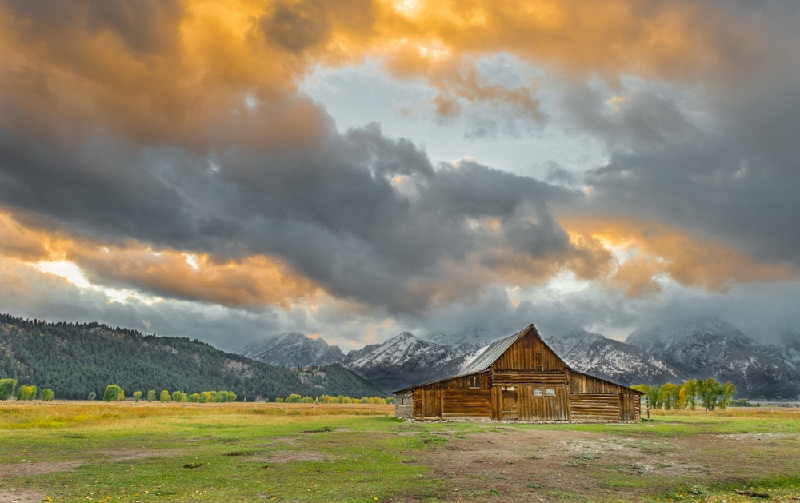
x=558 y=464
x=20 y=496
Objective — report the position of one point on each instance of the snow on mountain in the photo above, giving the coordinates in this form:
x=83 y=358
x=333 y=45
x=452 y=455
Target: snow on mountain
x=710 y=347
x=613 y=360
x=466 y=341
x=293 y=350
x=404 y=360
x=790 y=349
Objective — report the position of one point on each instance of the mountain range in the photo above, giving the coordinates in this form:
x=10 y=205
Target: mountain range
x=75 y=360
x=707 y=347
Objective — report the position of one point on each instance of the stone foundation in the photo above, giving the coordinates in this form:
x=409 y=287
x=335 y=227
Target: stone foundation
x=404 y=405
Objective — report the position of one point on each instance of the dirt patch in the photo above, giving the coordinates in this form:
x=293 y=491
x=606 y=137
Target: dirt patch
x=278 y=442
x=288 y=456
x=758 y=436
x=20 y=496
x=41 y=468
x=131 y=455
x=517 y=465
x=28 y=469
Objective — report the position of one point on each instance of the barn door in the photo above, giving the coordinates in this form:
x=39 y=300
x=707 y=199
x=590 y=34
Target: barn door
x=432 y=403
x=510 y=403
x=543 y=403
x=627 y=407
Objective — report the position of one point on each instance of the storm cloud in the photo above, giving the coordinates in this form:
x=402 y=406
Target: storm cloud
x=163 y=148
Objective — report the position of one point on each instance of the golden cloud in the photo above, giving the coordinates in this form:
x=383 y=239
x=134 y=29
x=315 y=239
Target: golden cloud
x=181 y=72
x=653 y=249
x=252 y=282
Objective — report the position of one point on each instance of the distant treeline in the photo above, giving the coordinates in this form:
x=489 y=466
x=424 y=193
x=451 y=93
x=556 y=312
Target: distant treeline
x=78 y=359
x=115 y=393
x=707 y=393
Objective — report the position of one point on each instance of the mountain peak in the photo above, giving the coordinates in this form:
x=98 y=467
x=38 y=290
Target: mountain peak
x=293 y=349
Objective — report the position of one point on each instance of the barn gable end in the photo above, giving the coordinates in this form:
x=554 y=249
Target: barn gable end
x=521 y=378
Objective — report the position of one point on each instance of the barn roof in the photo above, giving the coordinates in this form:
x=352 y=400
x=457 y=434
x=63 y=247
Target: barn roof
x=492 y=353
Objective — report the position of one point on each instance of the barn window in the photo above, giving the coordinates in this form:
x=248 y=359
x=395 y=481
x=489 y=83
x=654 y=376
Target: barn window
x=550 y=392
x=475 y=381
x=537 y=392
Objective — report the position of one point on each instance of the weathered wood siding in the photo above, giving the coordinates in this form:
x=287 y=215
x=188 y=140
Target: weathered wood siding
x=461 y=382
x=594 y=407
x=432 y=403
x=472 y=403
x=542 y=408
x=630 y=407
x=452 y=398
x=511 y=378
x=582 y=383
x=529 y=353
x=418 y=396
x=497 y=403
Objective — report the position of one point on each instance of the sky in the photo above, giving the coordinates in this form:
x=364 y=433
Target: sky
x=353 y=169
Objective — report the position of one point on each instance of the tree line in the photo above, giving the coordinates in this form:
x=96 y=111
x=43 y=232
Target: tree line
x=29 y=392
x=115 y=393
x=77 y=360
x=707 y=393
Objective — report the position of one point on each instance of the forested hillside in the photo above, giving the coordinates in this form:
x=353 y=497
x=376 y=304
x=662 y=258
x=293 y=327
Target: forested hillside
x=77 y=359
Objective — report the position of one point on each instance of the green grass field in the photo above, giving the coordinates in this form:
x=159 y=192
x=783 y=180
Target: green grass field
x=69 y=452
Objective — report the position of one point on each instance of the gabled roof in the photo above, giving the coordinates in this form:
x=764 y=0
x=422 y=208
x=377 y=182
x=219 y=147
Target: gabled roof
x=493 y=352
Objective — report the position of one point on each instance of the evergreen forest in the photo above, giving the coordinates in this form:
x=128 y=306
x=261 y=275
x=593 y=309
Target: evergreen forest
x=75 y=360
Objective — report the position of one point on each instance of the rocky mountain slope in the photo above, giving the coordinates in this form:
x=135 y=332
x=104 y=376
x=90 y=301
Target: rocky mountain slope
x=613 y=360
x=710 y=347
x=405 y=360
x=293 y=350
x=466 y=341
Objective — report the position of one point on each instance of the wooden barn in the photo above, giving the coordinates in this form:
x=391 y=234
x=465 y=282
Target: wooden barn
x=520 y=378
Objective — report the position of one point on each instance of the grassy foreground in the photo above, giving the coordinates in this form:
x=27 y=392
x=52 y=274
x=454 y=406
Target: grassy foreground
x=69 y=452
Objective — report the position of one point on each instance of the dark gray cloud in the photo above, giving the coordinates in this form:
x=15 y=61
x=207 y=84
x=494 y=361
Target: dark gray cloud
x=737 y=181
x=144 y=26
x=365 y=216
x=299 y=26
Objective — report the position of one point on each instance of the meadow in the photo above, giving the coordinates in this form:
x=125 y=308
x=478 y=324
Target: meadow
x=181 y=452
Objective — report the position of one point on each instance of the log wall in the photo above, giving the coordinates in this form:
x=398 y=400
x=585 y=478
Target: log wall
x=511 y=378
x=471 y=403
x=594 y=407
x=583 y=383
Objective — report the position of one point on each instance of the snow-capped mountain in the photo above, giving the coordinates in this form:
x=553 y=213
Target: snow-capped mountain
x=293 y=350
x=404 y=360
x=710 y=347
x=706 y=348
x=466 y=341
x=613 y=360
x=790 y=349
